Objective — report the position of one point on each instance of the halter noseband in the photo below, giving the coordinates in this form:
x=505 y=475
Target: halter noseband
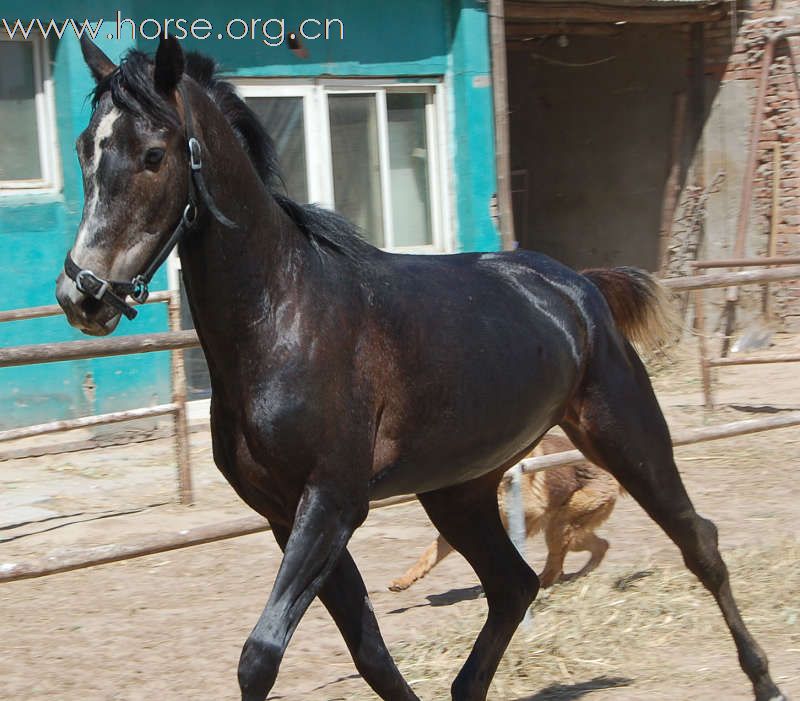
x=114 y=292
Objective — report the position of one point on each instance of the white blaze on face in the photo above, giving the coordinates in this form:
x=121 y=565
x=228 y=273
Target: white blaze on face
x=89 y=224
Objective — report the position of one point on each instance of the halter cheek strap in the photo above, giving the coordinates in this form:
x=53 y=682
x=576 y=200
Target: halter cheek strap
x=114 y=292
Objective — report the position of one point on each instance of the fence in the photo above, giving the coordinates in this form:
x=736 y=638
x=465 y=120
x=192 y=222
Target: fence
x=178 y=340
x=173 y=340
x=754 y=276
x=161 y=542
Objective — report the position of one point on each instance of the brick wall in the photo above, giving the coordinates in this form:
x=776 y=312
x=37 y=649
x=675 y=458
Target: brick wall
x=732 y=60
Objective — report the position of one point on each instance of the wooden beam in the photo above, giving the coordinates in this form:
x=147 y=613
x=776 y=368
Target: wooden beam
x=180 y=417
x=502 y=138
x=521 y=31
x=148 y=545
x=519 y=11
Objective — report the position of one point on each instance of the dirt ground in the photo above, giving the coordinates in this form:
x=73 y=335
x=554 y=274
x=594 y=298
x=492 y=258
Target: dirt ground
x=171 y=626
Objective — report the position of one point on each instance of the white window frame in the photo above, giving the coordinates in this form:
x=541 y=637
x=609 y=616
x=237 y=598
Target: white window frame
x=315 y=163
x=47 y=134
x=318 y=150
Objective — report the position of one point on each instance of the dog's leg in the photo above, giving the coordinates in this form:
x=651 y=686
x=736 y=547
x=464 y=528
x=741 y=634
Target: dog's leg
x=557 y=538
x=433 y=555
x=595 y=545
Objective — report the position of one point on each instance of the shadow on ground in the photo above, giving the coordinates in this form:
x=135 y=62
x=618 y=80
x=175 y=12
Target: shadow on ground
x=569 y=692
x=448 y=598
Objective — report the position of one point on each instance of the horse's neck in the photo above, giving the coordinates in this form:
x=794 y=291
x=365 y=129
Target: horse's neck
x=234 y=277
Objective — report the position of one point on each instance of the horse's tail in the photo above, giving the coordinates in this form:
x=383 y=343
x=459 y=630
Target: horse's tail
x=640 y=305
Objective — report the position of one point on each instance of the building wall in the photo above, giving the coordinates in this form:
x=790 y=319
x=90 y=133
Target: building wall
x=593 y=113
x=35 y=233
x=413 y=38
x=706 y=220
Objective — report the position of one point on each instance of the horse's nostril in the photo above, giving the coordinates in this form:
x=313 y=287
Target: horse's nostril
x=90 y=306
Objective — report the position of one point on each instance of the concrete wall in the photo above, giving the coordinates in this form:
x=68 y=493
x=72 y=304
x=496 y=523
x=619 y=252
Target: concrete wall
x=409 y=39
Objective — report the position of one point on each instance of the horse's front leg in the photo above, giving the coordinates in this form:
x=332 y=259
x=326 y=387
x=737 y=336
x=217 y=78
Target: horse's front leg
x=345 y=596
x=324 y=521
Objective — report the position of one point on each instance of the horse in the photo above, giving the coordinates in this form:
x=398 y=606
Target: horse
x=567 y=502
x=342 y=373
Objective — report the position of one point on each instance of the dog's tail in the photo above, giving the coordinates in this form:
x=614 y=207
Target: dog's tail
x=640 y=305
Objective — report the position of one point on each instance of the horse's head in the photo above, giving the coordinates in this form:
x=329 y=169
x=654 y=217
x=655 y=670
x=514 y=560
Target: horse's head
x=136 y=180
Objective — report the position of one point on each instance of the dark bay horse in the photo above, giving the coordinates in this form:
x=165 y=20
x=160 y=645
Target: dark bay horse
x=342 y=373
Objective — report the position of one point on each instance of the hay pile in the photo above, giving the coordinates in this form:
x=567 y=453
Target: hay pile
x=656 y=624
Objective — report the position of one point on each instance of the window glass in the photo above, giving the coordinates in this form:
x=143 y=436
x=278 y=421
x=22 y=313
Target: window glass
x=355 y=158
x=408 y=165
x=19 y=147
x=284 y=120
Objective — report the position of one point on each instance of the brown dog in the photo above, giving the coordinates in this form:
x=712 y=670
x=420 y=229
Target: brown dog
x=567 y=502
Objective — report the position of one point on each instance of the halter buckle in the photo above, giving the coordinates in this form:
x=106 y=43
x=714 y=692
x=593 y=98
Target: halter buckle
x=189 y=215
x=140 y=291
x=100 y=286
x=195 y=157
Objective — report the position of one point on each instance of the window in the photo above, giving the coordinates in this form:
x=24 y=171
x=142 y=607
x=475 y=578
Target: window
x=372 y=152
x=28 y=150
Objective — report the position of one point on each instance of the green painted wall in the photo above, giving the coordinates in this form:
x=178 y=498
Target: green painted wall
x=409 y=39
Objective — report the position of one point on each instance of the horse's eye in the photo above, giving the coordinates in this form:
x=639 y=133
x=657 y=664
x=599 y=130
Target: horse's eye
x=153 y=157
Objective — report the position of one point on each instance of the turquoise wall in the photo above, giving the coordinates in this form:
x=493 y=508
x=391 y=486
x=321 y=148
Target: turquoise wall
x=414 y=38
x=35 y=233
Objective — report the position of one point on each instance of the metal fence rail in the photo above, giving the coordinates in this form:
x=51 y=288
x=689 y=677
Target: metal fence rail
x=14 y=434
x=174 y=340
x=730 y=280
x=56 y=310
x=161 y=542
x=743 y=277
x=177 y=340
x=679 y=438
x=97 y=348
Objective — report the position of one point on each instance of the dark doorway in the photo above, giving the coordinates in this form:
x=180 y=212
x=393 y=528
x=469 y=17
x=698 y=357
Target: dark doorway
x=591 y=131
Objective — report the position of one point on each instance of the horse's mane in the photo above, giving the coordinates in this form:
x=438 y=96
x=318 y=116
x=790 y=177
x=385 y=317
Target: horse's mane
x=132 y=89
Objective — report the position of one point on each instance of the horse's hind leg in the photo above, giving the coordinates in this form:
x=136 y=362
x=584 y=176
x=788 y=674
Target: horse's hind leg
x=616 y=422
x=467 y=516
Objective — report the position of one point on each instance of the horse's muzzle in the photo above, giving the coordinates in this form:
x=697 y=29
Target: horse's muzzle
x=84 y=312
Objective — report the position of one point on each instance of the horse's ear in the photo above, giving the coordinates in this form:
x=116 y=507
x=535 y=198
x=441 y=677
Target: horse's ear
x=99 y=64
x=169 y=65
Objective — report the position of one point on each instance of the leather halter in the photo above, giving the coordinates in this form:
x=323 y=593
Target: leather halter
x=114 y=292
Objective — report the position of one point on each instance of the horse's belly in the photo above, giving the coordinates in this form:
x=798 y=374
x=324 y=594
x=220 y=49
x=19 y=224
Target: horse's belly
x=491 y=422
